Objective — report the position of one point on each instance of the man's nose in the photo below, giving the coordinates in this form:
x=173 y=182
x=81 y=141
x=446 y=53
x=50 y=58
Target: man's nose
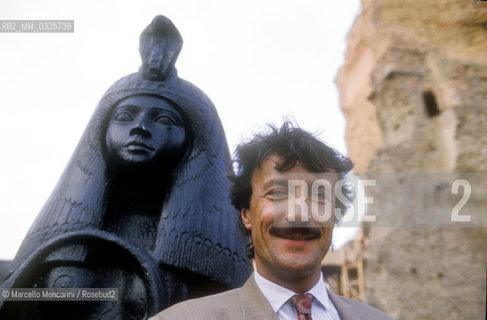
x=299 y=210
x=303 y=212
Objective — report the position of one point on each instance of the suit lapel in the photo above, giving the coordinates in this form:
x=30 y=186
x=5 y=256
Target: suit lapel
x=345 y=309
x=254 y=304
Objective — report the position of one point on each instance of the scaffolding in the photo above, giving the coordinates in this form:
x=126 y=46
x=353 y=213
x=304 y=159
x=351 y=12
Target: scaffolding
x=344 y=270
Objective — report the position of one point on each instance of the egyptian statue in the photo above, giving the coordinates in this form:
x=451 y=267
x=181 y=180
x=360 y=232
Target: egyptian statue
x=143 y=204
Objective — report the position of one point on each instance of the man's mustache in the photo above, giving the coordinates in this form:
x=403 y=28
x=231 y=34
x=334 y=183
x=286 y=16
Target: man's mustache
x=292 y=231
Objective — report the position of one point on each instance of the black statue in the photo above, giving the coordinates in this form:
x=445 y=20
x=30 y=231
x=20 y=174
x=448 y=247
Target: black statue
x=143 y=204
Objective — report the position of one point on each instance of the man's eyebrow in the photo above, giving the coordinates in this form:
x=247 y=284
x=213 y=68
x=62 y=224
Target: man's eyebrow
x=276 y=181
x=268 y=183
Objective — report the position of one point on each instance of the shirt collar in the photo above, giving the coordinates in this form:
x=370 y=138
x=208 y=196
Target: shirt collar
x=277 y=296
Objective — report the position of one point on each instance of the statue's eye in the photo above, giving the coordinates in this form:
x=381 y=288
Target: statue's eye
x=124 y=116
x=165 y=120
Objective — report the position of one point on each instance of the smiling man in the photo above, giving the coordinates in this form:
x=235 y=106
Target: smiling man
x=290 y=233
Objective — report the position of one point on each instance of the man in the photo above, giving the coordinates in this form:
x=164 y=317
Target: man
x=290 y=236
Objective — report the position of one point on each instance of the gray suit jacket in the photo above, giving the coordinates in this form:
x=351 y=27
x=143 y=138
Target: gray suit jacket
x=248 y=303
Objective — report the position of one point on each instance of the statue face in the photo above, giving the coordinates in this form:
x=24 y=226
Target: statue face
x=155 y=61
x=144 y=129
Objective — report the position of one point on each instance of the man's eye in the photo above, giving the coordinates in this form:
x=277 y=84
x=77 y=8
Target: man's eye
x=277 y=194
x=124 y=116
x=165 y=120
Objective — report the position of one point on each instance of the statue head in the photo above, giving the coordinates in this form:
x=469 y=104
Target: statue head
x=159 y=47
x=145 y=130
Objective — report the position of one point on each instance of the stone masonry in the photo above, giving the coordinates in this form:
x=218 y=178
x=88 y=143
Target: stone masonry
x=413 y=89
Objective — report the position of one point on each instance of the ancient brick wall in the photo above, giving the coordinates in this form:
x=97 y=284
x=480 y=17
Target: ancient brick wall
x=413 y=89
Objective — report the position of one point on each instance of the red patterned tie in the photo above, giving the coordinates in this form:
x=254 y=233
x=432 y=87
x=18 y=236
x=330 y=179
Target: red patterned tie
x=302 y=303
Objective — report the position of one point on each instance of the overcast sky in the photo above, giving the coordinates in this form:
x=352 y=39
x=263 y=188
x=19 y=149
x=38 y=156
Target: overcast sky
x=257 y=60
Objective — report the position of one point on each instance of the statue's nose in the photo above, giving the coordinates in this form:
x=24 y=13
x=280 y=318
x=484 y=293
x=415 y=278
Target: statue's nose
x=140 y=128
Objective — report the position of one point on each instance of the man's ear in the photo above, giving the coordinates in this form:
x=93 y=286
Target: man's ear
x=245 y=214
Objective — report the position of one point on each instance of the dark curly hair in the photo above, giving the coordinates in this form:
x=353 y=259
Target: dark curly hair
x=294 y=145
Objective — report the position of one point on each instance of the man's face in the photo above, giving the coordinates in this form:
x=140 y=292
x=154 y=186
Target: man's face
x=285 y=249
x=144 y=129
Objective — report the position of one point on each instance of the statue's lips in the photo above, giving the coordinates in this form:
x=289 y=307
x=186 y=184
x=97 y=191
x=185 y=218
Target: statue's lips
x=296 y=233
x=138 y=146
